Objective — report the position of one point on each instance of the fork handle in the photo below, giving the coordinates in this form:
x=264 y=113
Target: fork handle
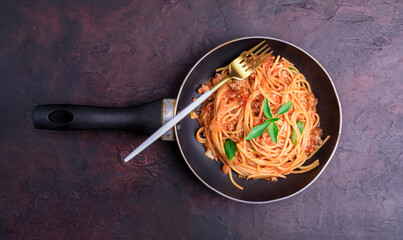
x=169 y=125
x=218 y=85
x=176 y=119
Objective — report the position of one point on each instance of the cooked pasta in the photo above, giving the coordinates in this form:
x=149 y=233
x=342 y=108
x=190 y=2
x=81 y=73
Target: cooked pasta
x=231 y=113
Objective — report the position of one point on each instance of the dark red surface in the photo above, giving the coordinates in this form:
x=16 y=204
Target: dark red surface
x=71 y=185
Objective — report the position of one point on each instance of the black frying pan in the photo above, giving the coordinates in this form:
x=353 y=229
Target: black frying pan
x=144 y=119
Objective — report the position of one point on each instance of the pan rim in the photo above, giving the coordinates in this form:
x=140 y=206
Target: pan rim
x=331 y=155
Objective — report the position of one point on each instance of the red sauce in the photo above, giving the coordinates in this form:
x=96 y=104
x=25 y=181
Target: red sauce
x=314 y=141
x=245 y=98
x=215 y=126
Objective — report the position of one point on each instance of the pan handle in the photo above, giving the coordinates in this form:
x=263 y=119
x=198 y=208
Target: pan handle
x=144 y=119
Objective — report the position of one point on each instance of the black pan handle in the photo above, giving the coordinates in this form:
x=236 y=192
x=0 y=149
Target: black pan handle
x=144 y=119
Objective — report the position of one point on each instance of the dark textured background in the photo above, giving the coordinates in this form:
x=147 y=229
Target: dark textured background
x=70 y=185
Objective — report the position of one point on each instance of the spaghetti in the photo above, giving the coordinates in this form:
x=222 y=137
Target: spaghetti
x=237 y=107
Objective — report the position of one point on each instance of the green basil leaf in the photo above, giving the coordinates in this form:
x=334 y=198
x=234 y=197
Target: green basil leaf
x=266 y=109
x=300 y=126
x=273 y=131
x=253 y=149
x=273 y=120
x=291 y=68
x=284 y=108
x=257 y=131
x=230 y=149
x=293 y=137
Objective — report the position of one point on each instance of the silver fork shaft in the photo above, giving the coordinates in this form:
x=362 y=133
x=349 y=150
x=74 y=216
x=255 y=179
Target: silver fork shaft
x=169 y=125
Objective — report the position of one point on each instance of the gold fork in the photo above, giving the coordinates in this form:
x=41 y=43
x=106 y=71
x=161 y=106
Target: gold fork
x=244 y=65
x=239 y=69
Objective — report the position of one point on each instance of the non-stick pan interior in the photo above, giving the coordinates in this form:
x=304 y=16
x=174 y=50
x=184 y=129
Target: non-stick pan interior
x=257 y=191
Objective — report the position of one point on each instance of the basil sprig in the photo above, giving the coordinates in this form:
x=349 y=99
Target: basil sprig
x=266 y=109
x=284 y=108
x=269 y=123
x=300 y=126
x=273 y=131
x=230 y=149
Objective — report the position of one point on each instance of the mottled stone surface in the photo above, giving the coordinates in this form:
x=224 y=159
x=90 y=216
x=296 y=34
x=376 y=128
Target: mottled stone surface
x=70 y=185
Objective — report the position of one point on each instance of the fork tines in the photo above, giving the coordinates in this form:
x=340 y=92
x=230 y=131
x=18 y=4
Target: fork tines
x=257 y=55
